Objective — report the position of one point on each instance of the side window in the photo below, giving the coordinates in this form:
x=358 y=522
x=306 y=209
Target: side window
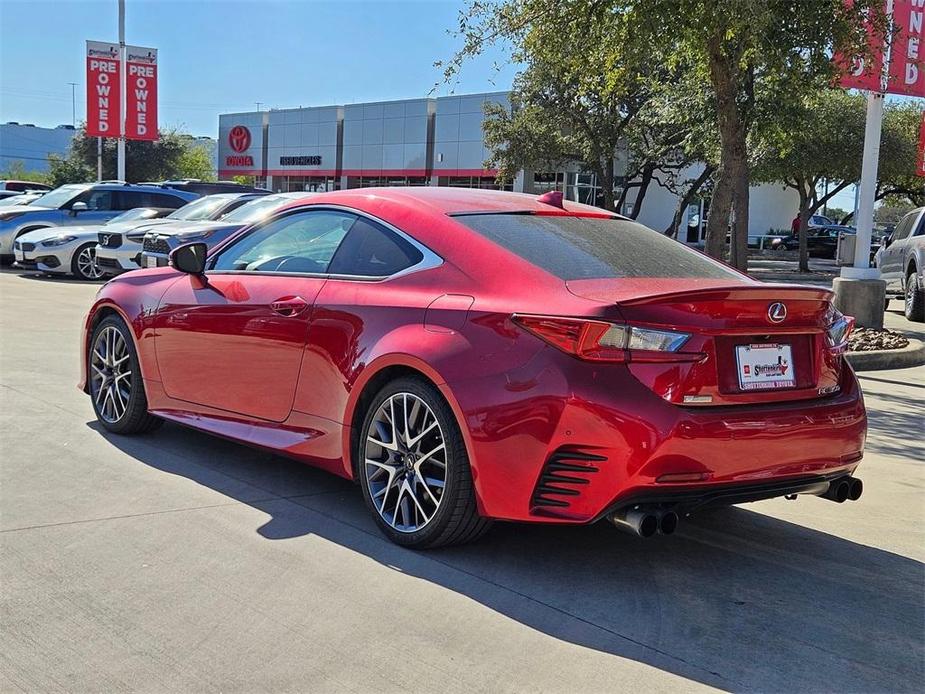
x=129 y=200
x=98 y=200
x=171 y=202
x=904 y=227
x=921 y=230
x=371 y=250
x=301 y=242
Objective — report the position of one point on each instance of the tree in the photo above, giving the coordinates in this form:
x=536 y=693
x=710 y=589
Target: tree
x=828 y=147
x=761 y=57
x=758 y=58
x=196 y=162
x=16 y=171
x=575 y=98
x=891 y=211
x=165 y=158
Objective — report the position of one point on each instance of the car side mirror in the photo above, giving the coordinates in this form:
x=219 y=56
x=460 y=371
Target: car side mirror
x=189 y=258
x=886 y=241
x=78 y=207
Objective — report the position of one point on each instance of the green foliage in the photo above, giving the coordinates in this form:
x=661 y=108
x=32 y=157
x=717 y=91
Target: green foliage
x=892 y=211
x=63 y=170
x=196 y=162
x=898 y=151
x=16 y=171
x=171 y=156
x=757 y=60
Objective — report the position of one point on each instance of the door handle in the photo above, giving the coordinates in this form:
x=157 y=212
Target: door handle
x=289 y=306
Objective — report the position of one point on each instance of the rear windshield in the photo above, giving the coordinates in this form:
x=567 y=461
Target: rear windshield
x=574 y=248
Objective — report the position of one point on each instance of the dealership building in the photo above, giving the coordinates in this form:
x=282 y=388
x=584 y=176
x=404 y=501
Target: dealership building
x=425 y=142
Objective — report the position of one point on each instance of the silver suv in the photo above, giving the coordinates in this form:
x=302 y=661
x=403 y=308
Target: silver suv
x=83 y=204
x=901 y=260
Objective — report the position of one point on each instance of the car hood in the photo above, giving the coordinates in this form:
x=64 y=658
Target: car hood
x=192 y=228
x=88 y=232
x=19 y=209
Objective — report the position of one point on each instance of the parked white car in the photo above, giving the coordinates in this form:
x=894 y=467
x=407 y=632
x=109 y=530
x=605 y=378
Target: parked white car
x=72 y=250
x=121 y=251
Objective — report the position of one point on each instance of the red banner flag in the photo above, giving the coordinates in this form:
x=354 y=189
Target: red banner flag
x=906 y=46
x=907 y=52
x=920 y=165
x=141 y=93
x=103 y=103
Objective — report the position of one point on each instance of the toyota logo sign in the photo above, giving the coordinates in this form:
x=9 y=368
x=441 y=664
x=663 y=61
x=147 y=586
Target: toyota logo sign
x=239 y=138
x=777 y=312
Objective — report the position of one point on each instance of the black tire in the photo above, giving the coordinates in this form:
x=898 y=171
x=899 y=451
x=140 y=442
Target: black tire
x=77 y=271
x=914 y=298
x=456 y=520
x=135 y=419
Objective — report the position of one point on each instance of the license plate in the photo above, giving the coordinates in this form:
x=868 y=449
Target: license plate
x=18 y=254
x=765 y=367
x=150 y=261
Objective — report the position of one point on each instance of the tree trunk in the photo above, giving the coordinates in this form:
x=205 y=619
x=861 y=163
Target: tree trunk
x=644 y=182
x=738 y=254
x=804 y=227
x=686 y=200
x=605 y=176
x=732 y=181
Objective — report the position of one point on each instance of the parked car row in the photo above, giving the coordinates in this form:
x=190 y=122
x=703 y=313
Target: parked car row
x=59 y=232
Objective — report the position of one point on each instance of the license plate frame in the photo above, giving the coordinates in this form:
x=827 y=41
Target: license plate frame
x=150 y=261
x=765 y=366
x=18 y=255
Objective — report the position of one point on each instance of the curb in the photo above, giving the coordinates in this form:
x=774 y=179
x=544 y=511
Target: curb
x=912 y=354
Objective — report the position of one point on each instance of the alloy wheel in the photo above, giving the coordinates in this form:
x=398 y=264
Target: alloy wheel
x=87 y=265
x=405 y=462
x=111 y=377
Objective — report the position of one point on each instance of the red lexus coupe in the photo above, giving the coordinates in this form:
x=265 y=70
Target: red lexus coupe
x=471 y=355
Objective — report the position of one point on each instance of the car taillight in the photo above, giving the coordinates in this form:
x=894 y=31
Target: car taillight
x=838 y=332
x=596 y=340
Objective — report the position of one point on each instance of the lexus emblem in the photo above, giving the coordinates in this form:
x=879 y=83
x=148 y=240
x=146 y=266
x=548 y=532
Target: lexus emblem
x=239 y=138
x=105 y=240
x=777 y=312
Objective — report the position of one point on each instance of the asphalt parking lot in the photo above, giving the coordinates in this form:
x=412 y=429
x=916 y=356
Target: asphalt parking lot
x=181 y=562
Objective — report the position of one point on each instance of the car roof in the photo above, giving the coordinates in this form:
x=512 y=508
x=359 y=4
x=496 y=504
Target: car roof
x=453 y=201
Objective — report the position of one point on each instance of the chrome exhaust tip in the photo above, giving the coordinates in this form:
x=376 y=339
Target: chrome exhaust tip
x=639 y=522
x=668 y=522
x=838 y=490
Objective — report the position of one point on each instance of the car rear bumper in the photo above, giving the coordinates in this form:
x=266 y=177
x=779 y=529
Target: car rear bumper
x=566 y=449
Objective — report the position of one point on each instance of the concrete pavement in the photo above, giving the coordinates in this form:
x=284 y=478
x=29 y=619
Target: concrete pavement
x=181 y=562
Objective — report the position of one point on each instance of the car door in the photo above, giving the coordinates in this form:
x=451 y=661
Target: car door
x=102 y=205
x=234 y=342
x=371 y=291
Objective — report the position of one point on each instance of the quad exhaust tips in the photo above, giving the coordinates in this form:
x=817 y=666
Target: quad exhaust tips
x=644 y=522
x=844 y=489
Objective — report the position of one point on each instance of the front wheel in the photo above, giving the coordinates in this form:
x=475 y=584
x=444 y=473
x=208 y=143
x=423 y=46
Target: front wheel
x=915 y=298
x=84 y=265
x=414 y=469
x=115 y=383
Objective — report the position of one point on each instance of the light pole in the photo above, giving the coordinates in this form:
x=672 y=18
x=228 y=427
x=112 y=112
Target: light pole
x=122 y=95
x=258 y=104
x=73 y=103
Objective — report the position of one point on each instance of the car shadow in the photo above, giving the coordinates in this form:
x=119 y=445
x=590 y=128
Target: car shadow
x=57 y=279
x=735 y=599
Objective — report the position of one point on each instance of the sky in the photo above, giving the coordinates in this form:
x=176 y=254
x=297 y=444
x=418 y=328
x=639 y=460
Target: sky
x=219 y=56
